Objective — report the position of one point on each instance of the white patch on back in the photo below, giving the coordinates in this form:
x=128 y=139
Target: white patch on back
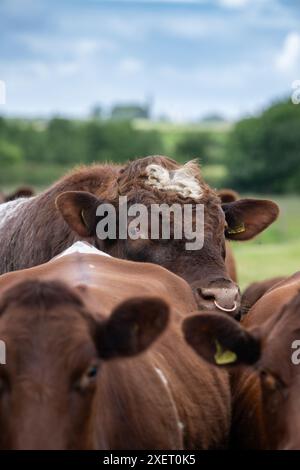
x=9 y=210
x=182 y=181
x=82 y=247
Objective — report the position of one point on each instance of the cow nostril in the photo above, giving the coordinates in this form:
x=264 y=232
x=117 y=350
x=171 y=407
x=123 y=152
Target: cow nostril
x=206 y=294
x=225 y=299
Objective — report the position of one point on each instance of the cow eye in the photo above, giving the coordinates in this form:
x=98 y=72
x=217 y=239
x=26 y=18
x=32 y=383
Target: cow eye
x=92 y=371
x=88 y=378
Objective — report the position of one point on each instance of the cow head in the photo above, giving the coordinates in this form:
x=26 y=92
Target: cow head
x=272 y=350
x=160 y=180
x=57 y=355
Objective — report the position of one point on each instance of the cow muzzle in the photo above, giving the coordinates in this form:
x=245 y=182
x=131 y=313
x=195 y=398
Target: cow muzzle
x=224 y=297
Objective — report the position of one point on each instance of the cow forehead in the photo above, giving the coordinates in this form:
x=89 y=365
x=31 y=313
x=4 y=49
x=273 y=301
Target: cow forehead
x=183 y=180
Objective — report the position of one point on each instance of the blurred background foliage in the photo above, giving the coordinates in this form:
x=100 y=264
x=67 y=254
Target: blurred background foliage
x=258 y=154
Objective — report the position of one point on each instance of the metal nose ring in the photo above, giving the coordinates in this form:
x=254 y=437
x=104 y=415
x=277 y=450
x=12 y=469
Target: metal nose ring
x=232 y=309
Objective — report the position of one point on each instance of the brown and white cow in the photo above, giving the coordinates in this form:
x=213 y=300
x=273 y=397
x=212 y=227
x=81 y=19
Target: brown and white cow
x=33 y=231
x=75 y=377
x=266 y=394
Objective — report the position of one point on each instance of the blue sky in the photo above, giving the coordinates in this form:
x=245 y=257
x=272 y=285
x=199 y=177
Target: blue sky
x=191 y=57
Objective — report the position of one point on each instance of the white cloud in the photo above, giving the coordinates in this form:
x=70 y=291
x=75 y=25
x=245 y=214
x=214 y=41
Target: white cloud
x=159 y=1
x=86 y=46
x=289 y=57
x=109 y=55
x=240 y=88
x=234 y=3
x=192 y=27
x=47 y=45
x=130 y=66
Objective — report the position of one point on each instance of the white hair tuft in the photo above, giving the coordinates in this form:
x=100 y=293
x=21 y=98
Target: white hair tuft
x=182 y=181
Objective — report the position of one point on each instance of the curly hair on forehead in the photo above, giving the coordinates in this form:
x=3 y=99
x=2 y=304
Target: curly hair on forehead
x=137 y=181
x=160 y=180
x=137 y=168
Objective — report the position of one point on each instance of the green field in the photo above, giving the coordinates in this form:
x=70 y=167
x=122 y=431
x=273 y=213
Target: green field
x=276 y=252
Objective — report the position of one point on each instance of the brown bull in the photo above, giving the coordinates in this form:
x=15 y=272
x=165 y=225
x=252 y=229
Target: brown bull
x=76 y=377
x=33 y=231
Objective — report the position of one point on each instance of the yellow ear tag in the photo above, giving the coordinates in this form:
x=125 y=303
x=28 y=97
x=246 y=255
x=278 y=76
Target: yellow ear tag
x=224 y=357
x=238 y=229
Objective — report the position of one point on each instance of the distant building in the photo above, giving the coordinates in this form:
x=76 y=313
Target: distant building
x=128 y=112
x=213 y=117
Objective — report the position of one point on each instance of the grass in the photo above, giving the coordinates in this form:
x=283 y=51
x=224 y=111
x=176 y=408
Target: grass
x=258 y=262
x=276 y=252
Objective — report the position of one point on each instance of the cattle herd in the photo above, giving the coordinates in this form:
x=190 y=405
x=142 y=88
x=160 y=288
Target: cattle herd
x=139 y=343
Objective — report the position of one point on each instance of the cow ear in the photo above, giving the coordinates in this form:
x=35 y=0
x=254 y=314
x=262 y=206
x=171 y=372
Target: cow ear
x=221 y=340
x=78 y=208
x=228 y=195
x=22 y=191
x=132 y=327
x=246 y=218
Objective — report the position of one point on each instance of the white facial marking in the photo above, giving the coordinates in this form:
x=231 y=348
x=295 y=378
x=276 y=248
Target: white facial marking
x=182 y=181
x=82 y=247
x=11 y=209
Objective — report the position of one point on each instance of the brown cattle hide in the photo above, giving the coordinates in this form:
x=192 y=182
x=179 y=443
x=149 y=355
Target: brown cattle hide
x=165 y=398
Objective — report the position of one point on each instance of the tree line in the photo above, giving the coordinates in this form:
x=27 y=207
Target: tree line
x=259 y=154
